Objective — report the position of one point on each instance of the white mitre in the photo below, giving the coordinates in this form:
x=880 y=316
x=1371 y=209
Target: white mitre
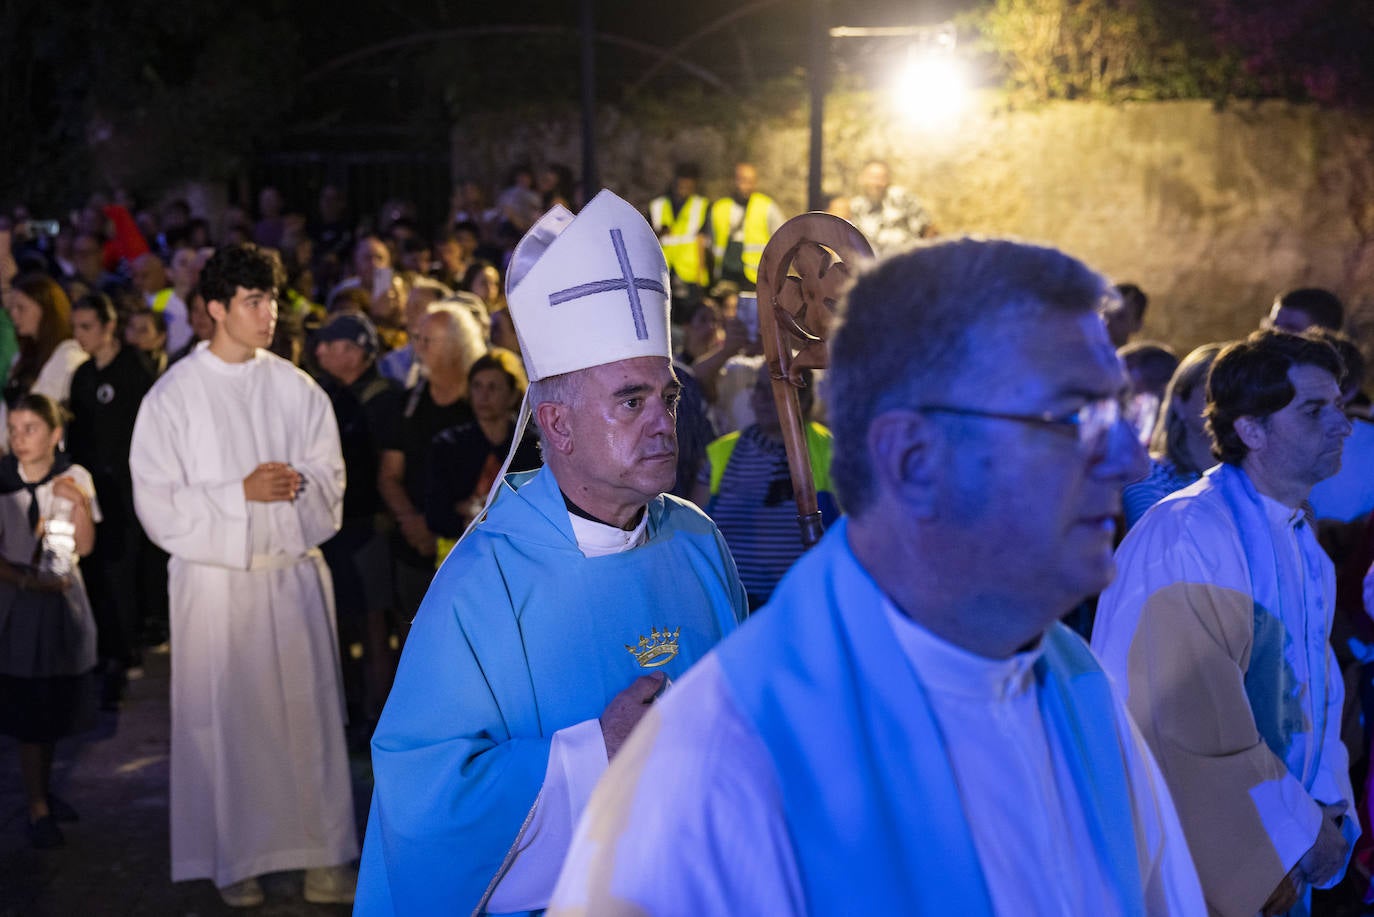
x=589 y=289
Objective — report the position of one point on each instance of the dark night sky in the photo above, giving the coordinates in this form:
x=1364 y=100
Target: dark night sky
x=769 y=40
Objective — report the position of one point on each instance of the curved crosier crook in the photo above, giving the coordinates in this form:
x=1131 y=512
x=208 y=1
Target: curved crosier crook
x=802 y=273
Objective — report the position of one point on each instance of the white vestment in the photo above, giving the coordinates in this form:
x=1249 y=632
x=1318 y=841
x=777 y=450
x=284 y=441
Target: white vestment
x=259 y=770
x=697 y=823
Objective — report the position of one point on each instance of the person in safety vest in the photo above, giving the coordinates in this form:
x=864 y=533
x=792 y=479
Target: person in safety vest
x=746 y=489
x=678 y=216
x=740 y=227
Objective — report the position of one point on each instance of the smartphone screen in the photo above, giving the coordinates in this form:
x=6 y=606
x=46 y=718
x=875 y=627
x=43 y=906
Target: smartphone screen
x=748 y=312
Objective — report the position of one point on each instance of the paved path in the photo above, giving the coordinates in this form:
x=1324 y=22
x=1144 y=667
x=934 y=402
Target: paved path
x=116 y=860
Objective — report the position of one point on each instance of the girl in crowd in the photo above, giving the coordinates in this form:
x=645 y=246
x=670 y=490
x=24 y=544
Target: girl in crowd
x=106 y=393
x=48 y=356
x=701 y=333
x=47 y=633
x=1180 y=449
x=484 y=280
x=464 y=460
x=147 y=335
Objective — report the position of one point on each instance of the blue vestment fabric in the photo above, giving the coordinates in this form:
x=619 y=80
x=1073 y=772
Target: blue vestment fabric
x=519 y=636
x=821 y=676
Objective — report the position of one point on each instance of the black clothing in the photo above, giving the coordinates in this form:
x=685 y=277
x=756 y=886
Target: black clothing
x=104 y=404
x=126 y=575
x=421 y=421
x=457 y=459
x=367 y=412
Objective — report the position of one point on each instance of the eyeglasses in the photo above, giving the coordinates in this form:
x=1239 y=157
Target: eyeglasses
x=1093 y=422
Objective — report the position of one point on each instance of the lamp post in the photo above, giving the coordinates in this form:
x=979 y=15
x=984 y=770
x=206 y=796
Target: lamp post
x=817 y=74
x=591 y=183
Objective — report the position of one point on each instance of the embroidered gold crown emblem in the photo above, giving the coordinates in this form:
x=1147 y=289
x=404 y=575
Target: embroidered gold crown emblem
x=655 y=650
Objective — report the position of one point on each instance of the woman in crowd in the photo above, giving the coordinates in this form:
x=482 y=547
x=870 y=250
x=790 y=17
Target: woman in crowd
x=702 y=332
x=519 y=202
x=47 y=632
x=106 y=393
x=557 y=186
x=484 y=281
x=387 y=311
x=147 y=335
x=464 y=460
x=48 y=356
x=1180 y=449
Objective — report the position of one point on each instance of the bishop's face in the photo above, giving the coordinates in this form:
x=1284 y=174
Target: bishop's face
x=624 y=432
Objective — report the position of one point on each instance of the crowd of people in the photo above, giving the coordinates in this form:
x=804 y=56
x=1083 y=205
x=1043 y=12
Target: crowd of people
x=528 y=467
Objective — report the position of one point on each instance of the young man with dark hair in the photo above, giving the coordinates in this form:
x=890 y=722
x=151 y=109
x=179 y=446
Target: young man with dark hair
x=1218 y=629
x=1125 y=313
x=1298 y=310
x=238 y=475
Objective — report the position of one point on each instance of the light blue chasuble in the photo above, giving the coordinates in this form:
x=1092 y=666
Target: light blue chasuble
x=871 y=802
x=519 y=636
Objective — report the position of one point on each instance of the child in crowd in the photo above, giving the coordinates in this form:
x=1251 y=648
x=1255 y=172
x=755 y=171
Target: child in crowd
x=47 y=631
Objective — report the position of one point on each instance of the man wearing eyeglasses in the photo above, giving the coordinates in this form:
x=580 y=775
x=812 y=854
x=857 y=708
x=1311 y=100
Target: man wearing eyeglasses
x=1219 y=627
x=905 y=727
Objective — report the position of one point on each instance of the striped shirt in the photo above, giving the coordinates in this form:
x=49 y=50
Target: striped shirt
x=1164 y=478
x=755 y=512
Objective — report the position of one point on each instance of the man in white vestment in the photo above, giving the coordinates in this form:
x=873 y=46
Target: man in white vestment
x=905 y=728
x=1219 y=627
x=238 y=475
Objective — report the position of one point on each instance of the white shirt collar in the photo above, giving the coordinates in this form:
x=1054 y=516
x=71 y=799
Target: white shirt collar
x=1280 y=514
x=948 y=669
x=597 y=539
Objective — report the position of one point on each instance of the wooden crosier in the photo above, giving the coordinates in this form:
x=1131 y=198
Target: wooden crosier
x=802 y=273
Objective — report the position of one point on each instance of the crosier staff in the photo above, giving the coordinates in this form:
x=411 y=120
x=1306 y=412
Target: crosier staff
x=803 y=271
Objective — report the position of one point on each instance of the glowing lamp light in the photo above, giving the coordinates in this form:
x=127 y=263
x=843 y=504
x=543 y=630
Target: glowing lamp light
x=931 y=87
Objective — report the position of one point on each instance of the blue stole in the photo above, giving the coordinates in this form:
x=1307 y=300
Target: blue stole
x=1272 y=686
x=871 y=802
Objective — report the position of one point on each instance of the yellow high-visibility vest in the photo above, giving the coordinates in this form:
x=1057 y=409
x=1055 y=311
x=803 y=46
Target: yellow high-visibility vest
x=680 y=247
x=755 y=231
x=818 y=442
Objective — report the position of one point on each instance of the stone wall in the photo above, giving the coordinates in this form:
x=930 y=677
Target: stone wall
x=1211 y=212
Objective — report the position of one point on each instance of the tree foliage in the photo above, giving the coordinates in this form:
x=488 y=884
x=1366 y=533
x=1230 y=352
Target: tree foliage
x=1302 y=49
x=1108 y=49
x=1308 y=50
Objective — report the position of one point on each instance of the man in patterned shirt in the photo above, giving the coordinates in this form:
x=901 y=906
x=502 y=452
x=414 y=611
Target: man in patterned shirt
x=890 y=216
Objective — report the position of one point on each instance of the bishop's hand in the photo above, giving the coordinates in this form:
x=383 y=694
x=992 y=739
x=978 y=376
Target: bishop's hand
x=626 y=709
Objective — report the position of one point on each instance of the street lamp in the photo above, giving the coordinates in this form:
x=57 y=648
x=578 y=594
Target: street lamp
x=929 y=89
x=931 y=86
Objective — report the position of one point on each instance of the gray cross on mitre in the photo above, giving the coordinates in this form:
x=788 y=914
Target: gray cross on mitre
x=627 y=281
